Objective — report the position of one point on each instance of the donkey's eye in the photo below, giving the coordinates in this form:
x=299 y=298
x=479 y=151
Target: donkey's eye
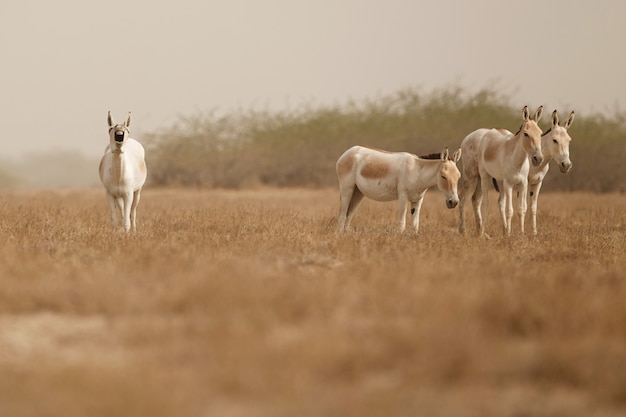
x=554 y=140
x=444 y=177
x=525 y=134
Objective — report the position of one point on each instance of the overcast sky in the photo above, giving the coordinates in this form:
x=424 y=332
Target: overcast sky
x=66 y=63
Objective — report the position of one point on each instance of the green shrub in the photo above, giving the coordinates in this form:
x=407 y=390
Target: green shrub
x=300 y=147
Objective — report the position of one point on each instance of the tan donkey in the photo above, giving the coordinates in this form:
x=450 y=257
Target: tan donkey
x=387 y=176
x=504 y=157
x=555 y=146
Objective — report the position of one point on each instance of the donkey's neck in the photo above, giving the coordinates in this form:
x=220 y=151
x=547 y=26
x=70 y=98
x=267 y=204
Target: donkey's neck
x=118 y=165
x=428 y=173
x=546 y=149
x=515 y=148
x=115 y=150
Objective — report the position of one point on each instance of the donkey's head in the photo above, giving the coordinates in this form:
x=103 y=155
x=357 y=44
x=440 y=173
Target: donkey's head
x=531 y=135
x=556 y=142
x=118 y=133
x=449 y=176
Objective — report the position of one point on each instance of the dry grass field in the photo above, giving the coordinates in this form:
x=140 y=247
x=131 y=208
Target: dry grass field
x=248 y=303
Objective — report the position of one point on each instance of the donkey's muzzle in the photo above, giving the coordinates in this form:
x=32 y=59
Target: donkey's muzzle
x=119 y=136
x=565 y=167
x=537 y=160
x=451 y=203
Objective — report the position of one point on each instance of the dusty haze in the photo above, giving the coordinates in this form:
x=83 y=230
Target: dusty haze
x=66 y=64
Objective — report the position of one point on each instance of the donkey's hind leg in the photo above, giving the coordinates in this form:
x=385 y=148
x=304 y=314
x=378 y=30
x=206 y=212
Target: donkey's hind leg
x=477 y=201
x=113 y=207
x=467 y=188
x=357 y=197
x=346 y=192
x=482 y=204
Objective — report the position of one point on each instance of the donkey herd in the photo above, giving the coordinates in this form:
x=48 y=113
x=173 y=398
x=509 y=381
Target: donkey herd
x=495 y=158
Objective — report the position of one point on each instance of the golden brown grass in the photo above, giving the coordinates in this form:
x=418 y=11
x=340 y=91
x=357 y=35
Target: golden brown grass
x=248 y=303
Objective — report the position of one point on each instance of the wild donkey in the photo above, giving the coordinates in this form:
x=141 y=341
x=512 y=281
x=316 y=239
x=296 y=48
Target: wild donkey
x=554 y=145
x=123 y=173
x=498 y=154
x=387 y=176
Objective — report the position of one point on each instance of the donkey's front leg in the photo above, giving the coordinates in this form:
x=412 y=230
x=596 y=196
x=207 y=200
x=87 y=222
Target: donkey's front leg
x=534 y=196
x=508 y=205
x=402 y=206
x=522 y=203
x=502 y=207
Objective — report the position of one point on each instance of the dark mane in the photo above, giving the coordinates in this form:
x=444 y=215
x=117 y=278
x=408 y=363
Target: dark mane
x=546 y=132
x=431 y=156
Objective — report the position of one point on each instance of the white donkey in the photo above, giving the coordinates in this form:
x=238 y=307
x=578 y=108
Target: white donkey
x=123 y=172
x=555 y=146
x=500 y=155
x=387 y=176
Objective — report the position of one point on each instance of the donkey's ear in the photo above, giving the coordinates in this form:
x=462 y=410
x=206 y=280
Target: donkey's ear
x=538 y=114
x=456 y=156
x=555 y=119
x=109 y=119
x=570 y=120
x=444 y=155
x=525 y=113
x=127 y=123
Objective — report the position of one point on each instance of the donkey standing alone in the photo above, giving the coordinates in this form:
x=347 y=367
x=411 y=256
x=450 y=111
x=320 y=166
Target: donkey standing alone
x=123 y=173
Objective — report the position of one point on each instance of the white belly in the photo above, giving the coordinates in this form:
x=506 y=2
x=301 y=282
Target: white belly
x=378 y=189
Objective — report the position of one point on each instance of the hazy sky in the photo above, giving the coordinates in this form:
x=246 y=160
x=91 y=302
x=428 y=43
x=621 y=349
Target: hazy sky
x=66 y=63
